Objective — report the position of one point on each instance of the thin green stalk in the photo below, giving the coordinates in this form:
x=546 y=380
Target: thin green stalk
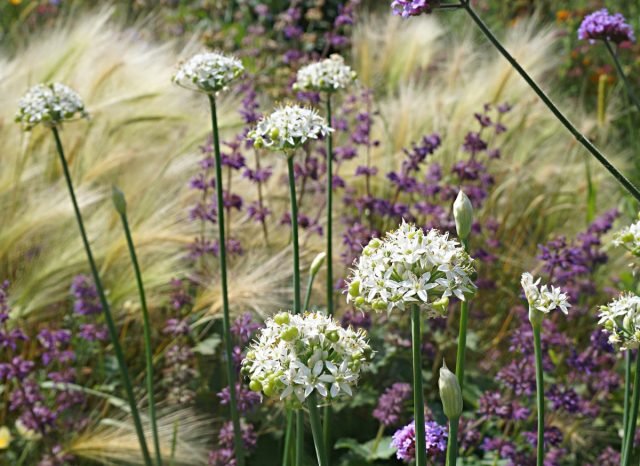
x=462 y=333
x=539 y=393
x=452 y=444
x=147 y=333
x=287 y=439
x=418 y=396
x=630 y=187
x=294 y=236
x=226 y=324
x=316 y=430
x=111 y=326
x=327 y=409
x=623 y=76
x=627 y=398
x=633 y=415
x=174 y=443
x=299 y=437
x=307 y=296
x=378 y=439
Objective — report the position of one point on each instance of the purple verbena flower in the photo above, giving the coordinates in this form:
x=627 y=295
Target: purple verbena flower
x=406 y=8
x=404 y=440
x=391 y=404
x=602 y=25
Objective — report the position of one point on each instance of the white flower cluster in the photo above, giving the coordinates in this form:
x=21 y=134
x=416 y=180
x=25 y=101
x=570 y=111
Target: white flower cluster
x=296 y=354
x=49 y=104
x=629 y=238
x=410 y=267
x=288 y=128
x=621 y=318
x=543 y=299
x=208 y=72
x=328 y=75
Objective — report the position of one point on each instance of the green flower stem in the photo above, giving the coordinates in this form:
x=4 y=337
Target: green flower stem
x=630 y=187
x=462 y=334
x=623 y=76
x=299 y=437
x=539 y=392
x=418 y=396
x=326 y=415
x=226 y=324
x=113 y=333
x=627 y=398
x=633 y=416
x=316 y=430
x=287 y=438
x=452 y=443
x=378 y=439
x=147 y=337
x=174 y=443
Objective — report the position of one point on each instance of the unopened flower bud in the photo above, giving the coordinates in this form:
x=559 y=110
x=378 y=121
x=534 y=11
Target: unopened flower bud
x=289 y=334
x=450 y=393
x=255 y=386
x=317 y=263
x=119 y=202
x=281 y=318
x=463 y=214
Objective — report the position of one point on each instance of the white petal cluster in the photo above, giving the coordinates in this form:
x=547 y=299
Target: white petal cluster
x=328 y=75
x=49 y=104
x=621 y=318
x=296 y=354
x=208 y=72
x=288 y=128
x=410 y=267
x=544 y=299
x=629 y=238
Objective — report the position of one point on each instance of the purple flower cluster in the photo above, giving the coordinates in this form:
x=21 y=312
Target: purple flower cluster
x=404 y=440
x=391 y=404
x=86 y=305
x=224 y=456
x=407 y=8
x=602 y=25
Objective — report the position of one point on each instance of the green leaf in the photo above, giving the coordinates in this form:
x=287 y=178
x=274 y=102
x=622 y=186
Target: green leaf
x=208 y=347
x=383 y=451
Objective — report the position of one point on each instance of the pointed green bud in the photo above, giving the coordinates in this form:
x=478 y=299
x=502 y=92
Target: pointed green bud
x=450 y=393
x=317 y=263
x=463 y=214
x=119 y=201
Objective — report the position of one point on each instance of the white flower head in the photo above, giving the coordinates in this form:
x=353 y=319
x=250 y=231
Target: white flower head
x=629 y=238
x=621 y=318
x=410 y=267
x=49 y=104
x=288 y=128
x=328 y=75
x=543 y=299
x=208 y=72
x=297 y=354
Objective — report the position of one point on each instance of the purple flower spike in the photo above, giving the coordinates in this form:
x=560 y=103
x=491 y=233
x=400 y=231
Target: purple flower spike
x=404 y=440
x=601 y=25
x=406 y=8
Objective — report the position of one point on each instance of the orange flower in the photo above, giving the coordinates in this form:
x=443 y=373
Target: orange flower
x=563 y=15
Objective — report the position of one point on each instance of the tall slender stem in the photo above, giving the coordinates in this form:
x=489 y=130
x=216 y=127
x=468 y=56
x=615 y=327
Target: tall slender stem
x=462 y=334
x=113 y=333
x=418 y=396
x=287 y=438
x=299 y=437
x=452 y=444
x=630 y=187
x=539 y=392
x=633 y=415
x=623 y=76
x=316 y=430
x=327 y=409
x=226 y=324
x=147 y=337
x=627 y=399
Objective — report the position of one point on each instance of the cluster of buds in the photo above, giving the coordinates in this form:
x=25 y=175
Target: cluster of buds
x=328 y=75
x=297 y=354
x=410 y=267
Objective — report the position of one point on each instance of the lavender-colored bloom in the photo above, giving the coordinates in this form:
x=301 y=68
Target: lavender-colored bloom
x=93 y=332
x=176 y=327
x=391 y=404
x=406 y=8
x=244 y=327
x=404 y=440
x=356 y=319
x=246 y=399
x=601 y=25
x=85 y=295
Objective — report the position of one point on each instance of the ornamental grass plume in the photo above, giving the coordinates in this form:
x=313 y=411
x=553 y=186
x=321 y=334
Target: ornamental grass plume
x=211 y=73
x=542 y=300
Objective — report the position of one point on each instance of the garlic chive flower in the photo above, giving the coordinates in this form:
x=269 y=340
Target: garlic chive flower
x=288 y=128
x=297 y=354
x=208 y=72
x=621 y=318
x=411 y=267
x=49 y=104
x=328 y=75
x=629 y=238
x=544 y=299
